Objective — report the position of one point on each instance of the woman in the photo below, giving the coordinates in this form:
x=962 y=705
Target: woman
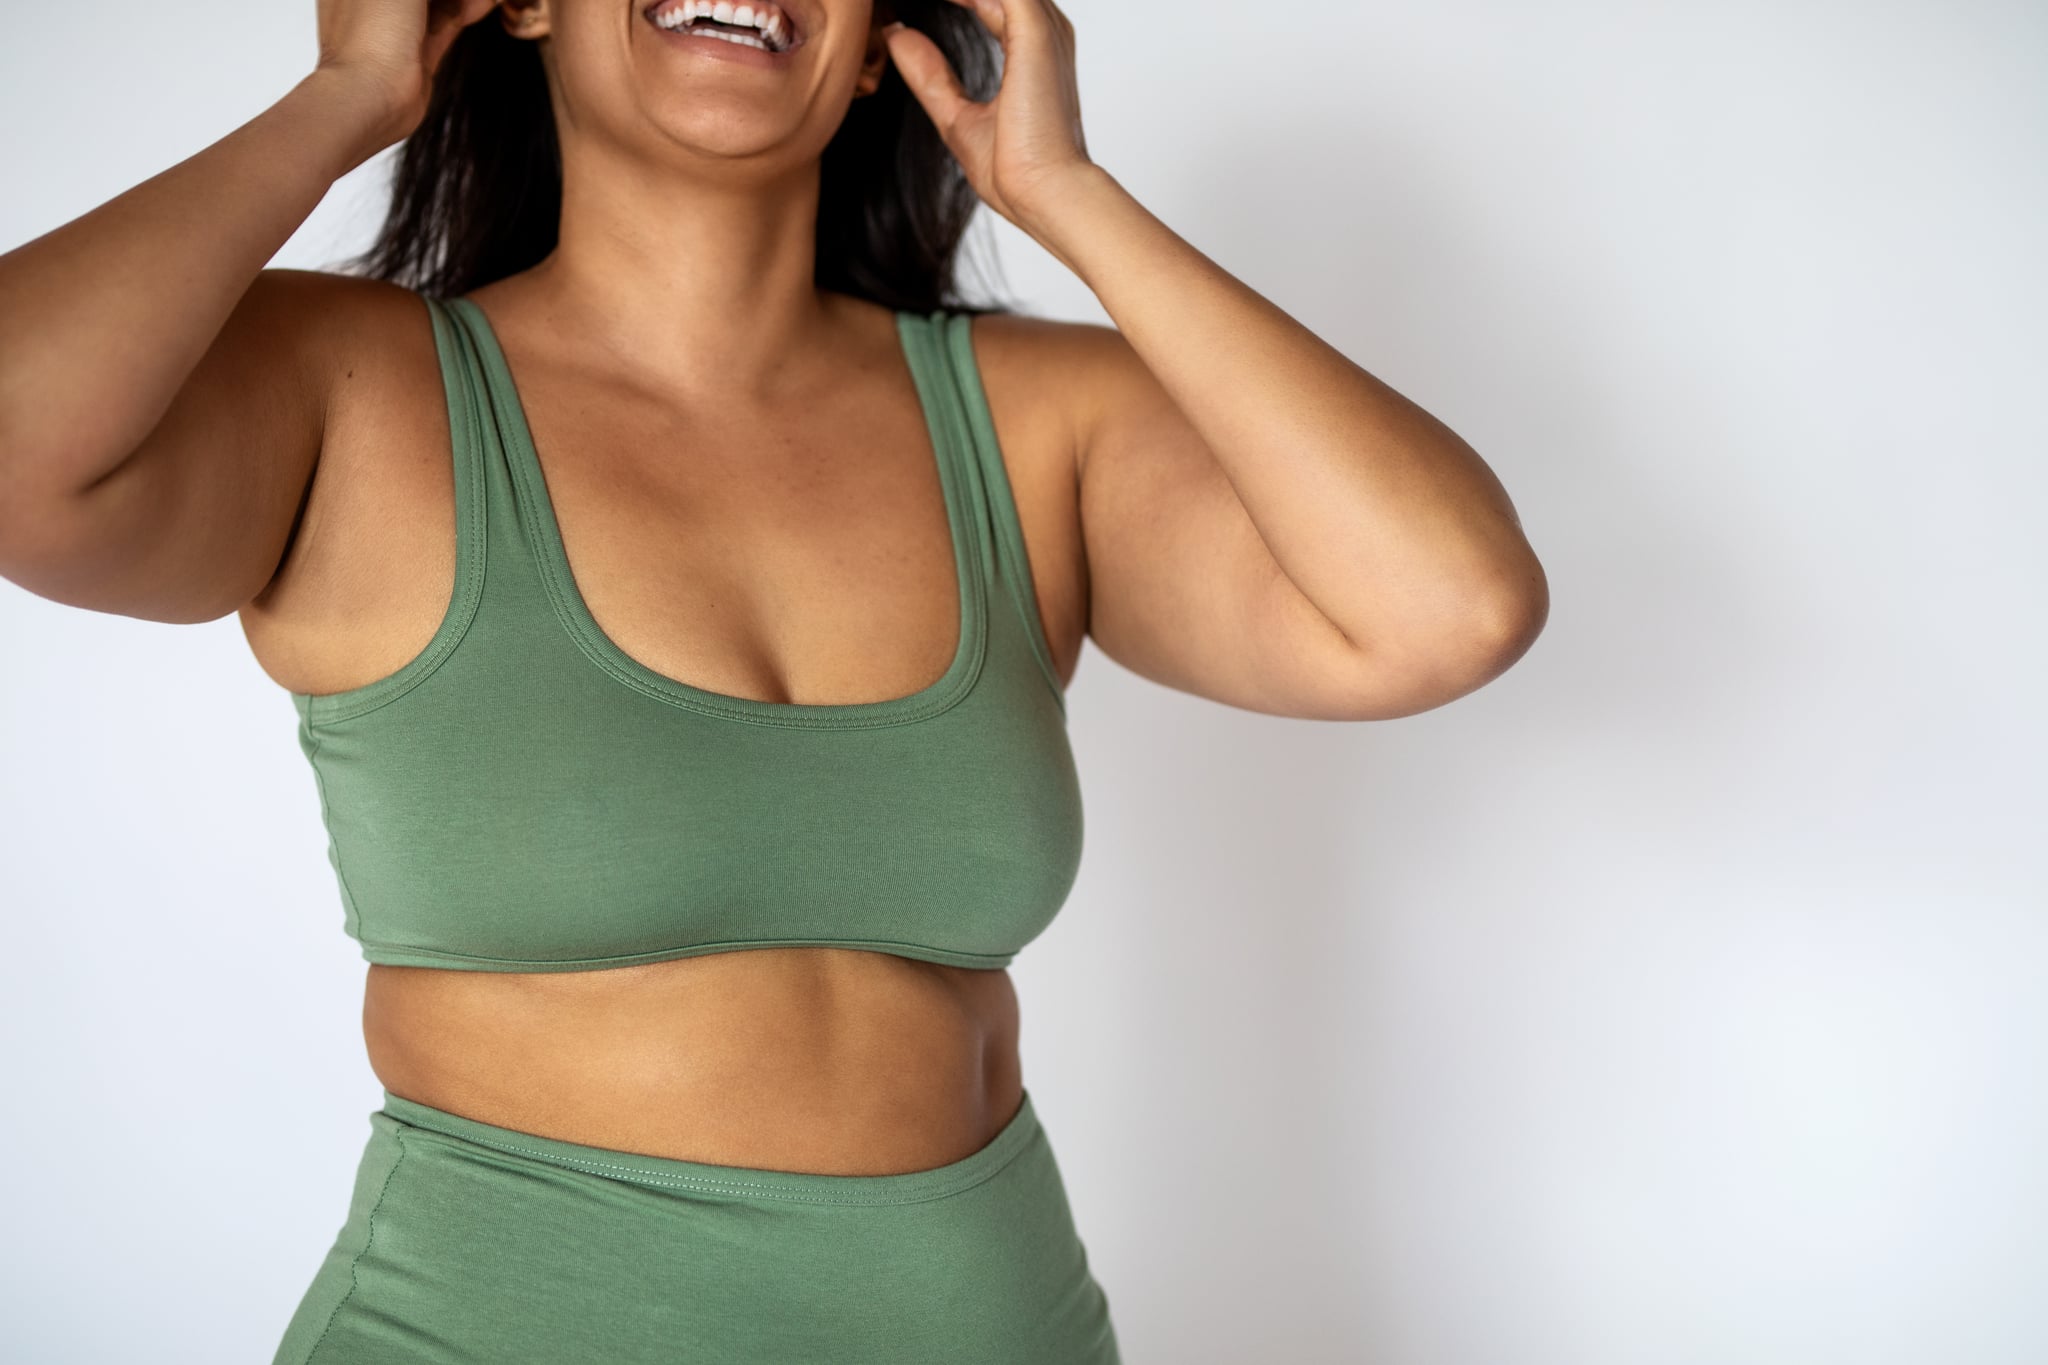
x=688 y=996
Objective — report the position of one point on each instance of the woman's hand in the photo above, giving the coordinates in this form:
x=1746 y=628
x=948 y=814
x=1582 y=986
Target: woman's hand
x=1019 y=147
x=390 y=49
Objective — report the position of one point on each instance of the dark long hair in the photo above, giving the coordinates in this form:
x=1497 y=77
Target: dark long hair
x=476 y=190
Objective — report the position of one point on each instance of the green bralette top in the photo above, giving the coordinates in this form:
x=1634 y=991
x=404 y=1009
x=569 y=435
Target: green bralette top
x=523 y=796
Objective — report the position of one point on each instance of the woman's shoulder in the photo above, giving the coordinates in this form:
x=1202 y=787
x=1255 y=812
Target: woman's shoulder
x=1045 y=340
x=329 y=298
x=1072 y=368
x=1051 y=355
x=347 y=326
x=332 y=303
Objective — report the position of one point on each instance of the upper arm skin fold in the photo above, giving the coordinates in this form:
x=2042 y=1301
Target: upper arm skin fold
x=1184 y=591
x=194 y=523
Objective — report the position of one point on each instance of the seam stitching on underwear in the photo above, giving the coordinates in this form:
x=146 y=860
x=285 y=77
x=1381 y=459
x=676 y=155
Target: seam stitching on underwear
x=1000 y=498
x=370 y=1225
x=351 y=907
x=949 y=956
x=542 y=521
x=759 y=1189
x=466 y=599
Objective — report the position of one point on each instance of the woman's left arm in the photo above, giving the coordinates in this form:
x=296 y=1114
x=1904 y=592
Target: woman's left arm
x=1265 y=522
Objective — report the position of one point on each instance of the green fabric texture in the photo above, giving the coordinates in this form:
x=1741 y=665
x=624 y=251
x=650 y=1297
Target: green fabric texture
x=524 y=796
x=466 y=1242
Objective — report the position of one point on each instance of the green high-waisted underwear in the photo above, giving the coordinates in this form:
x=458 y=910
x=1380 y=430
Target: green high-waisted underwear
x=469 y=1242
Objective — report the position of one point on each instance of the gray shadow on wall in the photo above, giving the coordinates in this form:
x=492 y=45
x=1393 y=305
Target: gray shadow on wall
x=1274 y=853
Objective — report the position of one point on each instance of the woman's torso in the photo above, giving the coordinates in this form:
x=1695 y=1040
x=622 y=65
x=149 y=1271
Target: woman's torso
x=793 y=550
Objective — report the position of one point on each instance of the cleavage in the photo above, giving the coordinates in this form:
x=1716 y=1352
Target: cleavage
x=773 y=561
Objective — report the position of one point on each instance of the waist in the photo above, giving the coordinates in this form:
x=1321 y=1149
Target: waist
x=821 y=1060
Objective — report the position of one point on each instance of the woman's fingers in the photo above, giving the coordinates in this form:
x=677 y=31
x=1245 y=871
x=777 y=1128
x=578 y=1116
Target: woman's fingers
x=393 y=47
x=929 y=75
x=990 y=12
x=1023 y=18
x=443 y=28
x=1030 y=132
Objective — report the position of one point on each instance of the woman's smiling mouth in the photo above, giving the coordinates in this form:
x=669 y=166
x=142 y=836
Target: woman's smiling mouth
x=757 y=25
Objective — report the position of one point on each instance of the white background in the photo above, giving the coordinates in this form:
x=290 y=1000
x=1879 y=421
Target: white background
x=1675 y=999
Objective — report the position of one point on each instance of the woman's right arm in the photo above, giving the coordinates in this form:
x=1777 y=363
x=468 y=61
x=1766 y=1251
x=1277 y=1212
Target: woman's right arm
x=162 y=394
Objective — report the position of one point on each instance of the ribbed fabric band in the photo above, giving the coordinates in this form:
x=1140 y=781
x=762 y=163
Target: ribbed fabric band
x=738 y=1182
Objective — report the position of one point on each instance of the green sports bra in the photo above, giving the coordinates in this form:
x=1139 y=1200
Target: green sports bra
x=522 y=796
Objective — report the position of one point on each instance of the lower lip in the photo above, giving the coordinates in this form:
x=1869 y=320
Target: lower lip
x=707 y=46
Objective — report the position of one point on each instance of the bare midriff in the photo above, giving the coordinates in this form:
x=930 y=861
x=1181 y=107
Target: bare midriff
x=826 y=1060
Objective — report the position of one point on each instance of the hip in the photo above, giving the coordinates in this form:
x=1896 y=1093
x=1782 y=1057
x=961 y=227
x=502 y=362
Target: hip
x=465 y=1241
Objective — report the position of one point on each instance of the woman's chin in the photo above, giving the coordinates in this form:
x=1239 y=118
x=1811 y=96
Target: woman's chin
x=732 y=136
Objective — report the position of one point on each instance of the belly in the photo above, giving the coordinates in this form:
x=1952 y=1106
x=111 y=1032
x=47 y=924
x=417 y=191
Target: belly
x=828 y=1060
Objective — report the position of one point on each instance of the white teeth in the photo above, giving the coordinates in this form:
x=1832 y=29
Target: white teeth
x=768 y=20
